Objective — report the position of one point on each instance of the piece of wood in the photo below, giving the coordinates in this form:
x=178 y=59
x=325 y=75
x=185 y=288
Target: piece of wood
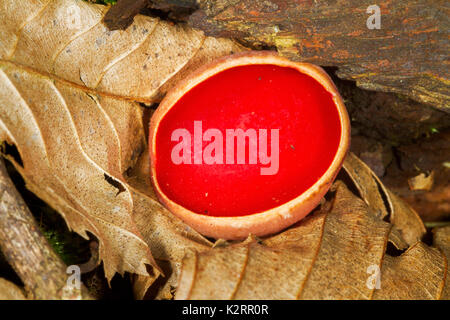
x=28 y=252
x=407 y=55
x=121 y=15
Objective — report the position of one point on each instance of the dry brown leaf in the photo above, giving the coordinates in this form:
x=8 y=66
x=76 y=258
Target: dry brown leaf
x=405 y=218
x=364 y=180
x=372 y=191
x=395 y=237
x=329 y=255
x=422 y=182
x=67 y=39
x=9 y=291
x=75 y=148
x=297 y=263
x=442 y=241
x=419 y=273
x=167 y=236
x=65 y=89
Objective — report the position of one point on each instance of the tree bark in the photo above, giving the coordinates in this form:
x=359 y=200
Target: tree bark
x=26 y=249
x=407 y=55
x=121 y=15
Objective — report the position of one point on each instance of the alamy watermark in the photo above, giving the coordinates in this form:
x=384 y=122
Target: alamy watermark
x=374 y=20
x=72 y=289
x=221 y=147
x=374 y=280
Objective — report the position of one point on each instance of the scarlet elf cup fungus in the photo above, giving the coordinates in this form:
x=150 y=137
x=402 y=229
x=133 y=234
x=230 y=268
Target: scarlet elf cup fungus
x=248 y=144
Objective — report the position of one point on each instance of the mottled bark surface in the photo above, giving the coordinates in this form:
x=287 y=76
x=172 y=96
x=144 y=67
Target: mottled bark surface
x=408 y=54
x=26 y=249
x=121 y=15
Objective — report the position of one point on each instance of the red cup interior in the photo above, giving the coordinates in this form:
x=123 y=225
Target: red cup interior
x=250 y=97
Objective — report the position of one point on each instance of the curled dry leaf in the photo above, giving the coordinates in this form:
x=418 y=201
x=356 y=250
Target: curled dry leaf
x=419 y=273
x=67 y=39
x=66 y=85
x=422 y=182
x=366 y=183
x=385 y=203
x=333 y=254
x=73 y=158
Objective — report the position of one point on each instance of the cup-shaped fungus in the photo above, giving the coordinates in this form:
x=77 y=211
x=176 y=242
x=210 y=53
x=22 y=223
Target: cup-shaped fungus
x=248 y=144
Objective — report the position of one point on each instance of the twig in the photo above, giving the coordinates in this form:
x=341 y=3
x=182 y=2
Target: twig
x=437 y=224
x=26 y=249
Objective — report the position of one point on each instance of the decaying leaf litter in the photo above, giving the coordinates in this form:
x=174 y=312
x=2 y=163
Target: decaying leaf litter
x=69 y=103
